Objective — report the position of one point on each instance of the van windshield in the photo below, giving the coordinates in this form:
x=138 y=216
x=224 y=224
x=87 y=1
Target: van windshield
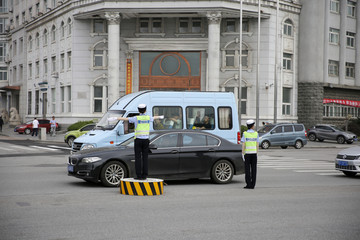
x=109 y=121
x=265 y=129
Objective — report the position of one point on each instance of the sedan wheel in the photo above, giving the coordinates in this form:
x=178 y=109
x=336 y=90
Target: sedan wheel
x=222 y=172
x=70 y=141
x=340 y=139
x=265 y=145
x=312 y=137
x=111 y=174
x=298 y=144
x=27 y=131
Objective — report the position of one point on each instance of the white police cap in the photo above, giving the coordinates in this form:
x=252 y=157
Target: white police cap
x=249 y=122
x=141 y=106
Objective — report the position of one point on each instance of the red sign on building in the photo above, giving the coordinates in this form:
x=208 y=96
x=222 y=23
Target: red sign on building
x=342 y=102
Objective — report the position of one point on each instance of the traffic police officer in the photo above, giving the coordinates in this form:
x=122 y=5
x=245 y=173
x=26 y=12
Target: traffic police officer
x=141 y=144
x=250 y=148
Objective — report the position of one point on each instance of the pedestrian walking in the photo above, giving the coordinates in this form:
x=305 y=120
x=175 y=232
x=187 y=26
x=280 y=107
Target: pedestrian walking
x=250 y=148
x=1 y=123
x=53 y=126
x=35 y=127
x=141 y=144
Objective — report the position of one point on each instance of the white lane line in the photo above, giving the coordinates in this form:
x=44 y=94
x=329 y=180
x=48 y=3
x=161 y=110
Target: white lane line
x=45 y=148
x=329 y=174
x=53 y=146
x=314 y=171
x=23 y=148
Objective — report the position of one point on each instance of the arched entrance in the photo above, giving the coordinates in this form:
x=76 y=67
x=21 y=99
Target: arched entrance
x=178 y=71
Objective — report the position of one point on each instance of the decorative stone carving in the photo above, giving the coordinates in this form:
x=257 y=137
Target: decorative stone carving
x=5 y=115
x=113 y=17
x=214 y=17
x=129 y=54
x=14 y=117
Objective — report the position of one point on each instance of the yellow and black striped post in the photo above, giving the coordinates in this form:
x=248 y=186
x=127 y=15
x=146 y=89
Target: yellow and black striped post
x=148 y=187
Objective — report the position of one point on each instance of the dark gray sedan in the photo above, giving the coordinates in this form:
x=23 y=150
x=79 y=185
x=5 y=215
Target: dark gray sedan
x=173 y=155
x=323 y=132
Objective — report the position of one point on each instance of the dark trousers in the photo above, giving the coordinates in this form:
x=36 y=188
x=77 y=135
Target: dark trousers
x=35 y=131
x=250 y=170
x=141 y=157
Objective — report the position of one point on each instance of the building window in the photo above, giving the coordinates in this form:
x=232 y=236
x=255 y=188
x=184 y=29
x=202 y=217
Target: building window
x=351 y=9
x=53 y=100
x=189 y=25
x=21 y=45
x=337 y=110
x=2 y=51
x=243 y=96
x=69 y=26
x=100 y=55
x=62 y=30
x=350 y=39
x=69 y=60
x=37 y=100
x=29 y=102
x=37 y=40
x=45 y=37
x=62 y=99
x=2 y=25
x=286 y=105
x=62 y=62
x=334 y=36
x=3 y=74
x=23 y=18
x=152 y=26
x=30 y=43
x=333 y=68
x=53 y=64
x=288 y=28
x=30 y=70
x=3 y=6
x=231 y=56
x=99 y=26
x=350 y=70
x=230 y=25
x=45 y=67
x=37 y=69
x=69 y=99
x=14 y=48
x=98 y=98
x=334 y=6
x=53 y=33
x=287 y=61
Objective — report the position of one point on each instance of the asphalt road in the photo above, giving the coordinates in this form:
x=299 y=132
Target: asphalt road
x=298 y=196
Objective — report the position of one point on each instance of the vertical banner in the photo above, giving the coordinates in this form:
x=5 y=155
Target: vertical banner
x=128 y=76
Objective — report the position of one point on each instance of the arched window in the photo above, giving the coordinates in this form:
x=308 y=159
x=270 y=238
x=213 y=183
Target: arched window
x=69 y=22
x=99 y=55
x=45 y=37
x=231 y=56
x=288 y=28
x=99 y=94
x=37 y=40
x=232 y=85
x=30 y=43
x=62 y=30
x=53 y=33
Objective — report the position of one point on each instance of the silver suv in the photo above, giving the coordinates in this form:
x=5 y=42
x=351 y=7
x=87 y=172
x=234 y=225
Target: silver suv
x=323 y=132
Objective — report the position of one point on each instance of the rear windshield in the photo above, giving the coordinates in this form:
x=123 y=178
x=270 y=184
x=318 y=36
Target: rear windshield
x=298 y=128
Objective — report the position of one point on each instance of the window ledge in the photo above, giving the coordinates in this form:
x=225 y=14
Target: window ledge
x=98 y=68
x=98 y=34
x=224 y=34
x=150 y=34
x=190 y=34
x=224 y=69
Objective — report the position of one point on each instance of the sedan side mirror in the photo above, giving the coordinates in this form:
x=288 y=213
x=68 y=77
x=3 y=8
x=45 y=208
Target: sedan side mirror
x=153 y=146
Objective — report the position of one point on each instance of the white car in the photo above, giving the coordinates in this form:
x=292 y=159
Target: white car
x=348 y=161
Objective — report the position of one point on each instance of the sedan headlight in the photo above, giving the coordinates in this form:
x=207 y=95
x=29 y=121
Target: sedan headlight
x=87 y=146
x=90 y=159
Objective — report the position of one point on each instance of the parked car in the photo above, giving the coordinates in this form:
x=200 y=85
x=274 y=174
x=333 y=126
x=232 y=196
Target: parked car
x=181 y=154
x=283 y=135
x=323 y=132
x=27 y=127
x=348 y=161
x=72 y=135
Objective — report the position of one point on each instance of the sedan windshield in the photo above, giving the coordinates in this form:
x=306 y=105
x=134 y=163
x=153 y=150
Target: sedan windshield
x=265 y=129
x=105 y=123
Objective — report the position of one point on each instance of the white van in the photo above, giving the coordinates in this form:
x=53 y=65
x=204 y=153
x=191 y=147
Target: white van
x=215 y=112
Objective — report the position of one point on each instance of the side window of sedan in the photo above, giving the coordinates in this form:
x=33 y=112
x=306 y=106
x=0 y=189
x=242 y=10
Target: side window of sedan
x=193 y=140
x=211 y=141
x=167 y=141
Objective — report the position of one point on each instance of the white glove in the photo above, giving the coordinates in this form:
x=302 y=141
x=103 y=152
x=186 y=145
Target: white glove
x=243 y=157
x=112 y=119
x=161 y=117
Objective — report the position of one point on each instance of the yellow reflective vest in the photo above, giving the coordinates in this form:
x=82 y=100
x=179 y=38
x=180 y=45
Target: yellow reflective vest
x=143 y=126
x=250 y=142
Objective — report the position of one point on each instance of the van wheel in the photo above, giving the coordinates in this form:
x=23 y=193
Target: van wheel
x=284 y=147
x=27 y=131
x=222 y=172
x=312 y=137
x=340 y=139
x=298 y=144
x=111 y=173
x=265 y=144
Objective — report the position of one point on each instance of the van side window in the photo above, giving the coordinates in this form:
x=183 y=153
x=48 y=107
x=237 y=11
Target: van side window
x=200 y=118
x=172 y=117
x=298 y=128
x=288 y=128
x=129 y=127
x=277 y=130
x=225 y=118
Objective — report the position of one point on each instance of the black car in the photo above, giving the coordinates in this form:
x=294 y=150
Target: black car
x=173 y=155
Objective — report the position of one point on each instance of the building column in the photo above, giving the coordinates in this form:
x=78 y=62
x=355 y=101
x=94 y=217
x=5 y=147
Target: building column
x=214 y=19
x=342 y=45
x=357 y=46
x=113 y=19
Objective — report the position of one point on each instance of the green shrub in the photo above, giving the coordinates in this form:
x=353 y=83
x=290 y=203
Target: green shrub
x=78 y=125
x=243 y=129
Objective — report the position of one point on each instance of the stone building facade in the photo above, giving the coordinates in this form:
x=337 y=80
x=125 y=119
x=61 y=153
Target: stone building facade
x=73 y=58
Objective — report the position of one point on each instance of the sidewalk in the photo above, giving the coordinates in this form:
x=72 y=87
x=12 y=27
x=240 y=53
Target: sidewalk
x=8 y=133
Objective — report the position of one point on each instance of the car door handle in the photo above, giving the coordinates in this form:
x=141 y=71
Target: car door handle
x=174 y=151
x=211 y=150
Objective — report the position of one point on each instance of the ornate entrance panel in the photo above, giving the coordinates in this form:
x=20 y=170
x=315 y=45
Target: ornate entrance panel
x=178 y=71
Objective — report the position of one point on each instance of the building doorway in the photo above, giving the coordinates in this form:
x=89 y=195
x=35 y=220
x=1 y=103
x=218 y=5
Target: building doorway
x=177 y=71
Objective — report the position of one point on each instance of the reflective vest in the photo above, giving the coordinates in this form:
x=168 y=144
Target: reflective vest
x=250 y=142
x=143 y=126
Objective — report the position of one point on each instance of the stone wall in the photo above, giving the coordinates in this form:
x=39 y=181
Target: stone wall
x=310 y=103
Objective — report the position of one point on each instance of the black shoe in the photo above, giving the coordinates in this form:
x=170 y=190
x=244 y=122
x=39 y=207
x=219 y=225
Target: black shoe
x=247 y=187
x=138 y=178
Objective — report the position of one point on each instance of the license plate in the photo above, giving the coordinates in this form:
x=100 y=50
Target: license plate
x=343 y=163
x=70 y=168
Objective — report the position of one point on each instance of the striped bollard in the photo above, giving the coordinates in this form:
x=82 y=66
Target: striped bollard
x=148 y=187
